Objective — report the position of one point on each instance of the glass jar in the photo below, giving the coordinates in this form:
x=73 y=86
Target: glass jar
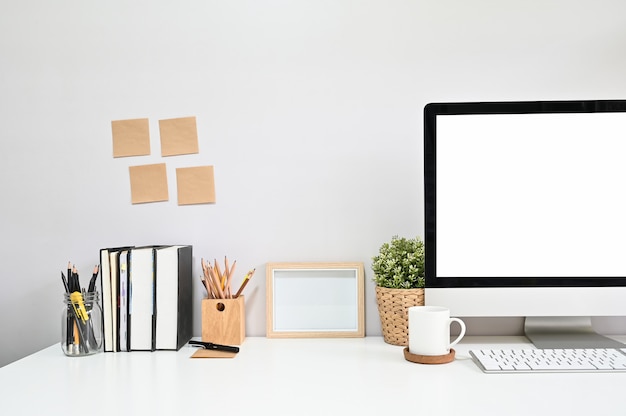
x=81 y=324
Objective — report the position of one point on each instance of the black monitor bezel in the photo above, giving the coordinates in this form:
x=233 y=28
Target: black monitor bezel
x=431 y=111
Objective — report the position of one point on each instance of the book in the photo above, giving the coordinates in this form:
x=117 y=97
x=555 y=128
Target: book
x=109 y=298
x=173 y=305
x=141 y=280
x=114 y=272
x=105 y=283
x=122 y=316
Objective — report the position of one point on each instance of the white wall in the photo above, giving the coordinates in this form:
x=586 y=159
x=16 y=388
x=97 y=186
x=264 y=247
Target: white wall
x=310 y=111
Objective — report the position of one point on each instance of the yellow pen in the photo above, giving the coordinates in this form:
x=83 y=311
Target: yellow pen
x=79 y=306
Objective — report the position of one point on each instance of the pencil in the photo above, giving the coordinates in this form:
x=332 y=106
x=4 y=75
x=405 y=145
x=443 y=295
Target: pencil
x=245 y=282
x=76 y=334
x=204 y=285
x=226 y=267
x=216 y=283
x=67 y=289
x=218 y=273
x=72 y=278
x=70 y=282
x=208 y=282
x=94 y=276
x=69 y=322
x=229 y=279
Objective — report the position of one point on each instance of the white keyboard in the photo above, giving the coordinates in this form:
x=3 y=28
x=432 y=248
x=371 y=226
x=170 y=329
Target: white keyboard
x=550 y=360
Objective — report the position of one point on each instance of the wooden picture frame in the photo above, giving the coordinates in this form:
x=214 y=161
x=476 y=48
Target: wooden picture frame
x=315 y=300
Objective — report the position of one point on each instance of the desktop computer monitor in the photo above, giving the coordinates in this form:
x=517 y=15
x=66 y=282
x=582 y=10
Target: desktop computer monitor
x=525 y=214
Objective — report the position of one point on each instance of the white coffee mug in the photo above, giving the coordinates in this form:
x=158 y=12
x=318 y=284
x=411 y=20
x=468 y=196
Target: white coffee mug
x=429 y=330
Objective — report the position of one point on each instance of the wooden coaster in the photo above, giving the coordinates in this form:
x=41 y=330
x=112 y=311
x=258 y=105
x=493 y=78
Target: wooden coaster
x=429 y=359
x=203 y=353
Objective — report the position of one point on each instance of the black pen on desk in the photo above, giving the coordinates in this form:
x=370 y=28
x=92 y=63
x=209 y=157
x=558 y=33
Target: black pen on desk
x=212 y=346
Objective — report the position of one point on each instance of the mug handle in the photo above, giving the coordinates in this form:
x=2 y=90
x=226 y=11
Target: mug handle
x=462 y=331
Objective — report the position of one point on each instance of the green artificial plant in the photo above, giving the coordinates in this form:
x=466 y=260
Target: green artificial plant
x=400 y=264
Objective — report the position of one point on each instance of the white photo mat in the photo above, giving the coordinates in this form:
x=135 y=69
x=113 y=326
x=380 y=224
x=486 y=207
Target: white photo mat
x=308 y=300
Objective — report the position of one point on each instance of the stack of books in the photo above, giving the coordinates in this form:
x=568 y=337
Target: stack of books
x=146 y=297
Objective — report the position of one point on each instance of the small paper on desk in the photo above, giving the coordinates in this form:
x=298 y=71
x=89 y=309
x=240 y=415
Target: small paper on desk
x=204 y=353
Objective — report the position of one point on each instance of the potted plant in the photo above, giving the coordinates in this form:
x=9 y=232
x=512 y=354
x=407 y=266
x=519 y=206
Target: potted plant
x=399 y=276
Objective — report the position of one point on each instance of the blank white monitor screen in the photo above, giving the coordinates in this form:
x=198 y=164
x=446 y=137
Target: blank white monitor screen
x=534 y=195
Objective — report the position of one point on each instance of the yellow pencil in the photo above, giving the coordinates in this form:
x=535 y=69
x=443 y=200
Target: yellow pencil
x=208 y=280
x=245 y=282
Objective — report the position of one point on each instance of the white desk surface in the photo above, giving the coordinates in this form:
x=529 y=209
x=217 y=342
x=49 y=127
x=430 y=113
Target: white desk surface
x=357 y=376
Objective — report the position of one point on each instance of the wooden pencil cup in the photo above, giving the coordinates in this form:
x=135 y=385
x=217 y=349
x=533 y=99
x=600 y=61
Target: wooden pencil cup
x=224 y=321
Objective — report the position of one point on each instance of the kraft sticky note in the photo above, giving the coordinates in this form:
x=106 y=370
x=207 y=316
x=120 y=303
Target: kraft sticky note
x=148 y=183
x=196 y=185
x=179 y=136
x=131 y=137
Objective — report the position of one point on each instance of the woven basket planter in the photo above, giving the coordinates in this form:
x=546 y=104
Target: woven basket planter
x=393 y=307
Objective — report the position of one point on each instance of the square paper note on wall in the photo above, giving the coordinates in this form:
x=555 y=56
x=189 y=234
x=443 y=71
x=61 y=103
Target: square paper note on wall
x=148 y=183
x=179 y=136
x=131 y=137
x=196 y=185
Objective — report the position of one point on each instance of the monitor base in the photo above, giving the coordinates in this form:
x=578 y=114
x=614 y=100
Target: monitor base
x=566 y=332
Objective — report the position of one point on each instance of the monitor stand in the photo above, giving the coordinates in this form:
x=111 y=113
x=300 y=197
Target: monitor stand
x=566 y=332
